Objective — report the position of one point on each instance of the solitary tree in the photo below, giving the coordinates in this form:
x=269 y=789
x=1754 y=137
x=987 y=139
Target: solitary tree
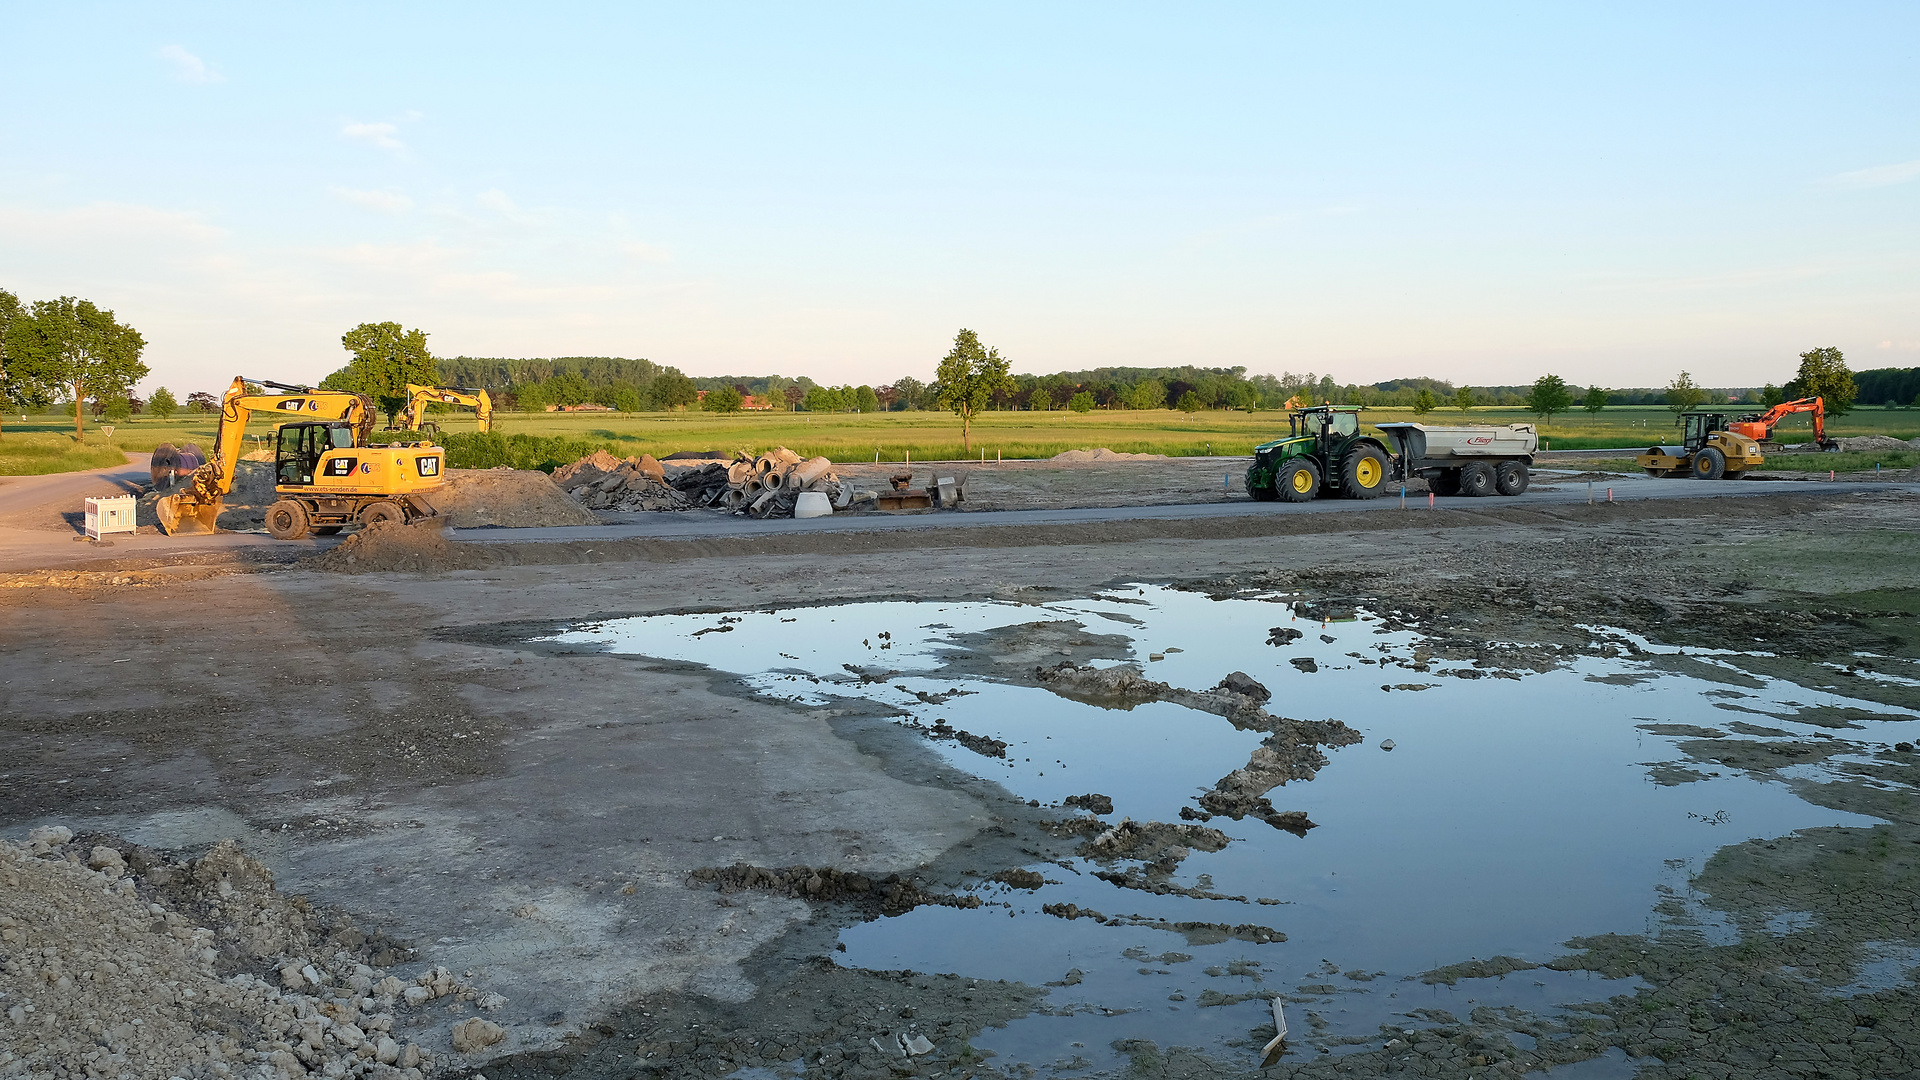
x=1081 y=402
x=1040 y=400
x=724 y=400
x=1549 y=396
x=968 y=376
x=1684 y=394
x=1824 y=374
x=1595 y=400
x=73 y=346
x=386 y=357
x=1424 y=402
x=162 y=403
x=1463 y=398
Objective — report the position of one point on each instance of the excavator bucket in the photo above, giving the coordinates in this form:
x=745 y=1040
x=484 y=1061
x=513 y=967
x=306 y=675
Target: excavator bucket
x=182 y=515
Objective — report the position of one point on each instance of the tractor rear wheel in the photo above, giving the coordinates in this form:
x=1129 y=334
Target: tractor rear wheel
x=1298 y=480
x=1364 y=475
x=1709 y=464
x=381 y=511
x=1511 y=478
x=1477 y=479
x=286 y=520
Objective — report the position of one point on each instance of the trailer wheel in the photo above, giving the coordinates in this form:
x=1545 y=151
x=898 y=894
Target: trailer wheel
x=286 y=520
x=1511 y=478
x=1297 y=481
x=1709 y=464
x=1477 y=480
x=381 y=511
x=1364 y=474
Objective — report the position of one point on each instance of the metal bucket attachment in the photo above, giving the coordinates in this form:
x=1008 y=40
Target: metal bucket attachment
x=180 y=515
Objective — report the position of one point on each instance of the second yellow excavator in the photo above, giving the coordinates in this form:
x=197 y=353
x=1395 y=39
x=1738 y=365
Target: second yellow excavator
x=327 y=471
x=419 y=397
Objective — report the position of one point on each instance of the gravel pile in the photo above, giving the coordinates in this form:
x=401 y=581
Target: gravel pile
x=506 y=498
x=1870 y=443
x=116 y=961
x=1080 y=457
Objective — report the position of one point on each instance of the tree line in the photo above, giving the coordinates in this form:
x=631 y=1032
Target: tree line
x=67 y=349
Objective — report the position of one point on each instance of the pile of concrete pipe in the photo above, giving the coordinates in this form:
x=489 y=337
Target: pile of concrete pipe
x=769 y=485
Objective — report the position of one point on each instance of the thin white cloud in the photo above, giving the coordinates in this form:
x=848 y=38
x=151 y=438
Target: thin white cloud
x=497 y=200
x=380 y=134
x=189 y=68
x=652 y=253
x=1878 y=176
x=386 y=202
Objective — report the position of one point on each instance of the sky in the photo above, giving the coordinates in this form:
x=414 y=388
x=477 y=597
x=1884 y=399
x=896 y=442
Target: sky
x=1476 y=192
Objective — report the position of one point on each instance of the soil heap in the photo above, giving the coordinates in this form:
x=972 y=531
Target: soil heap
x=509 y=498
x=1082 y=457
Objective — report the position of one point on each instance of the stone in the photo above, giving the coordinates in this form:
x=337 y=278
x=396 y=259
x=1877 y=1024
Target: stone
x=52 y=835
x=1239 y=682
x=389 y=987
x=417 y=995
x=349 y=1035
x=386 y=1051
x=409 y=1056
x=108 y=860
x=474 y=1035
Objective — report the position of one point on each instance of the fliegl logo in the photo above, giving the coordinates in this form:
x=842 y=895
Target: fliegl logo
x=1480 y=440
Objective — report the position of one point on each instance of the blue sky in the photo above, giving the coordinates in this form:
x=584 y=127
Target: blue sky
x=1477 y=192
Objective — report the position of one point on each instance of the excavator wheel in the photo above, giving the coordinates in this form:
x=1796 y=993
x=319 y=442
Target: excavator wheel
x=381 y=511
x=1709 y=464
x=1477 y=479
x=287 y=520
x=326 y=530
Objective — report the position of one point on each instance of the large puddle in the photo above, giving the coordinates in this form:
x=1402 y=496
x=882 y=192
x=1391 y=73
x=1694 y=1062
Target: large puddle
x=1512 y=814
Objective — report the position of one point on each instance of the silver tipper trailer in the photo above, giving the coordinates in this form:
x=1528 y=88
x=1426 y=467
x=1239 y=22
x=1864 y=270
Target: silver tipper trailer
x=1466 y=460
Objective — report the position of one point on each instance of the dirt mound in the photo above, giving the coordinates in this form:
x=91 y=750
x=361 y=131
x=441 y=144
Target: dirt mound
x=604 y=482
x=392 y=547
x=891 y=895
x=118 y=931
x=509 y=498
x=1870 y=443
x=1084 y=457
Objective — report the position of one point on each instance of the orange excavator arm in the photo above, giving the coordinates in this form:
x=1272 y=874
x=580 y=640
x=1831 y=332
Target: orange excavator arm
x=196 y=509
x=1760 y=427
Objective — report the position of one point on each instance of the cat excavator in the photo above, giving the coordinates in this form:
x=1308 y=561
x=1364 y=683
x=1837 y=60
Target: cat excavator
x=1759 y=427
x=419 y=397
x=328 y=471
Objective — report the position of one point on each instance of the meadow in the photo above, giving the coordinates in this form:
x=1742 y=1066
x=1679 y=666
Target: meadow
x=43 y=444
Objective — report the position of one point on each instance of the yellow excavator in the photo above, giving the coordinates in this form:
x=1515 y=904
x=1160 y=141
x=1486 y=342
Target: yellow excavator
x=327 y=470
x=419 y=397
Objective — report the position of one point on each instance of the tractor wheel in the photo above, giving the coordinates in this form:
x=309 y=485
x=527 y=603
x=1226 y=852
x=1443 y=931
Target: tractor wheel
x=1477 y=479
x=286 y=520
x=1297 y=481
x=1364 y=475
x=1511 y=478
x=1262 y=494
x=1709 y=464
x=1447 y=483
x=381 y=511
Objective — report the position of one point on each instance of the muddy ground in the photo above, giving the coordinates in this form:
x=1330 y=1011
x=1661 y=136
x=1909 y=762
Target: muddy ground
x=532 y=818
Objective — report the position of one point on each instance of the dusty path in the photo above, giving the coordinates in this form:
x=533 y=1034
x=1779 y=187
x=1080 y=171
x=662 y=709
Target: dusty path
x=37 y=501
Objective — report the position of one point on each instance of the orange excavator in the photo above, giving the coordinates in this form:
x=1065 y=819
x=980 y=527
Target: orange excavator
x=1759 y=427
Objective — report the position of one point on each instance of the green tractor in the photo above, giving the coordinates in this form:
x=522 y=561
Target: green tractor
x=1324 y=453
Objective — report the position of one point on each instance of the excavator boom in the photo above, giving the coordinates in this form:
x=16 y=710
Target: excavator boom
x=1760 y=427
x=419 y=397
x=196 y=510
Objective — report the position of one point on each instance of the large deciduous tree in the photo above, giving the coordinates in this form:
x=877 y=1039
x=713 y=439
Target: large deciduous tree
x=163 y=404
x=1824 y=374
x=386 y=357
x=1596 y=399
x=968 y=376
x=1683 y=393
x=71 y=346
x=1549 y=396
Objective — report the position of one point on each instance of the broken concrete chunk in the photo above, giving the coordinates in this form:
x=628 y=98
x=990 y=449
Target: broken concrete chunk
x=107 y=860
x=474 y=1035
x=417 y=996
x=1239 y=682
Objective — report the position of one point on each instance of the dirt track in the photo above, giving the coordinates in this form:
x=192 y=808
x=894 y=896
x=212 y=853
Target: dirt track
x=393 y=744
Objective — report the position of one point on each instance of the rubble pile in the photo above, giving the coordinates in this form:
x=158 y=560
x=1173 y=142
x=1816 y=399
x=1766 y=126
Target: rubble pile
x=117 y=961
x=763 y=487
x=604 y=482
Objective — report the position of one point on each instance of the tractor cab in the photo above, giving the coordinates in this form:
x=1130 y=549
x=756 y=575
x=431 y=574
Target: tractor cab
x=1324 y=452
x=301 y=446
x=1326 y=423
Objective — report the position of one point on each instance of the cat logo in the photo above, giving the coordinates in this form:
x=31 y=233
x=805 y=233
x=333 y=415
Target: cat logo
x=341 y=466
x=429 y=465
x=296 y=404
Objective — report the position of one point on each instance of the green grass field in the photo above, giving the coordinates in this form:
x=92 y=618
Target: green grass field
x=848 y=437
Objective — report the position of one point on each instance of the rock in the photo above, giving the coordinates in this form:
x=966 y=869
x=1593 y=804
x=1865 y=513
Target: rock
x=417 y=996
x=1239 y=682
x=410 y=1056
x=291 y=978
x=389 y=987
x=1304 y=663
x=1281 y=635
x=107 y=859
x=349 y=1035
x=51 y=835
x=474 y=1035
x=386 y=1051
x=1092 y=803
x=1386 y=744
x=308 y=973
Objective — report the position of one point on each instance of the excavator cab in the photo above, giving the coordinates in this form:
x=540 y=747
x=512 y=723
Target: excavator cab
x=301 y=445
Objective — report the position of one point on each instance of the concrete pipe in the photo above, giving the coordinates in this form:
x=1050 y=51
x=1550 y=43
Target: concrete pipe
x=740 y=472
x=774 y=481
x=805 y=473
x=735 y=499
x=753 y=487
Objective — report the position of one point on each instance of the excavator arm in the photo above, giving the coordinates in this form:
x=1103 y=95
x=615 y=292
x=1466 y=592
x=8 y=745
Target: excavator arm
x=1760 y=427
x=195 y=510
x=419 y=397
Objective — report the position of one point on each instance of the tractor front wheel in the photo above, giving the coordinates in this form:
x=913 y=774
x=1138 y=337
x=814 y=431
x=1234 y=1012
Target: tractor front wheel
x=286 y=520
x=1709 y=464
x=1297 y=481
x=1364 y=476
x=1261 y=492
